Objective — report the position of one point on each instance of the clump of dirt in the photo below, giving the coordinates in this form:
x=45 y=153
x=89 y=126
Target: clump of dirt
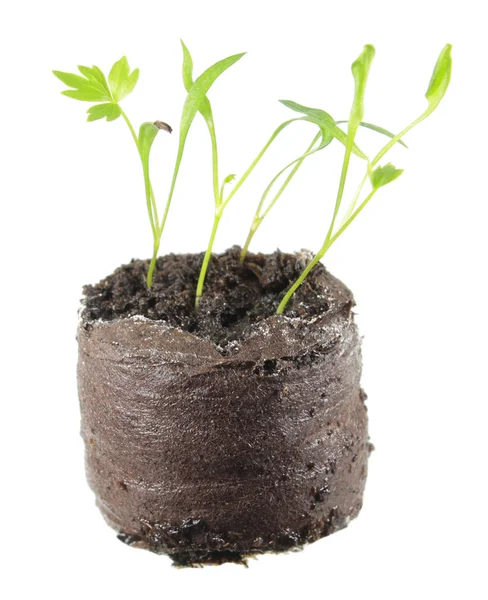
x=235 y=296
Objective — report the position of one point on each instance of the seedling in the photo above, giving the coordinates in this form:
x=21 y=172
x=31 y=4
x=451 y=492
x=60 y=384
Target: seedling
x=92 y=86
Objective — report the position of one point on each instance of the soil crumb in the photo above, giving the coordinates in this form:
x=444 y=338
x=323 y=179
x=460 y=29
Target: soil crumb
x=235 y=296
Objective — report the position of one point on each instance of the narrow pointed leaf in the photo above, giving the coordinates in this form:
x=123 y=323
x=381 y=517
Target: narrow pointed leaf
x=196 y=95
x=378 y=129
x=383 y=175
x=441 y=76
x=187 y=67
x=147 y=135
x=205 y=107
x=325 y=122
x=360 y=71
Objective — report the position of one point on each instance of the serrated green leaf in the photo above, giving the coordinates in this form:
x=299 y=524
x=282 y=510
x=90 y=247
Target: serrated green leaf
x=95 y=75
x=383 y=175
x=114 y=113
x=378 y=129
x=99 y=111
x=88 y=93
x=108 y=111
x=441 y=76
x=326 y=123
x=70 y=79
x=130 y=83
x=121 y=80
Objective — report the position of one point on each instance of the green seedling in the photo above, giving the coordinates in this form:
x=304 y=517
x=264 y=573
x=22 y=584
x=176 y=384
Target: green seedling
x=92 y=86
x=378 y=176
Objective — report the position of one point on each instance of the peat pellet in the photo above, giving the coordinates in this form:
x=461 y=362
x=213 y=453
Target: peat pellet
x=212 y=442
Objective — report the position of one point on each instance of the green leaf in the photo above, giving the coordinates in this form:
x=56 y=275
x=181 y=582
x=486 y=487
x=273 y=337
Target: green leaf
x=147 y=135
x=187 y=67
x=95 y=75
x=360 y=71
x=205 y=110
x=121 y=80
x=383 y=175
x=441 y=76
x=195 y=101
x=229 y=178
x=197 y=93
x=87 y=93
x=376 y=128
x=326 y=123
x=108 y=111
x=70 y=79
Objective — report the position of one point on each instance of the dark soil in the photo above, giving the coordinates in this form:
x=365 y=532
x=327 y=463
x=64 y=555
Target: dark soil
x=235 y=296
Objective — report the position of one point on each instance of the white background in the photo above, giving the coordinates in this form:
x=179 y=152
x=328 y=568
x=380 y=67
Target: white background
x=73 y=209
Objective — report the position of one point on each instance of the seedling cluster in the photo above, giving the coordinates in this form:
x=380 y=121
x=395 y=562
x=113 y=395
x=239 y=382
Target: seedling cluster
x=91 y=85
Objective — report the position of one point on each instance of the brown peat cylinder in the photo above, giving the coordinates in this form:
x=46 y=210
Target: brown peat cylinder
x=211 y=452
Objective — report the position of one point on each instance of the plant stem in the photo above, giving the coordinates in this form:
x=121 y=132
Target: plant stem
x=327 y=244
x=152 y=265
x=220 y=203
x=129 y=125
x=258 y=218
x=150 y=198
x=206 y=259
x=254 y=227
x=340 y=192
x=215 y=162
x=395 y=139
x=256 y=160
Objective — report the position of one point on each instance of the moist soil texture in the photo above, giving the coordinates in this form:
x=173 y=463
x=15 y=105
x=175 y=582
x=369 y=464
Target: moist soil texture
x=235 y=296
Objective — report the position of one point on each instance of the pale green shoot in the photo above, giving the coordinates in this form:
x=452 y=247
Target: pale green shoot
x=379 y=176
x=360 y=71
x=197 y=101
x=317 y=117
x=437 y=87
x=92 y=86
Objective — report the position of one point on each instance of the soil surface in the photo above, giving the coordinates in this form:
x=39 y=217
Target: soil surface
x=235 y=296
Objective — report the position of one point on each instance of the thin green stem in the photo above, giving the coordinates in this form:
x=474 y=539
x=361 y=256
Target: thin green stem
x=155 y=209
x=150 y=199
x=320 y=254
x=258 y=218
x=397 y=138
x=256 y=161
x=355 y=199
x=340 y=192
x=206 y=259
x=346 y=224
x=215 y=163
x=129 y=125
x=255 y=224
x=298 y=164
x=171 y=191
x=152 y=265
